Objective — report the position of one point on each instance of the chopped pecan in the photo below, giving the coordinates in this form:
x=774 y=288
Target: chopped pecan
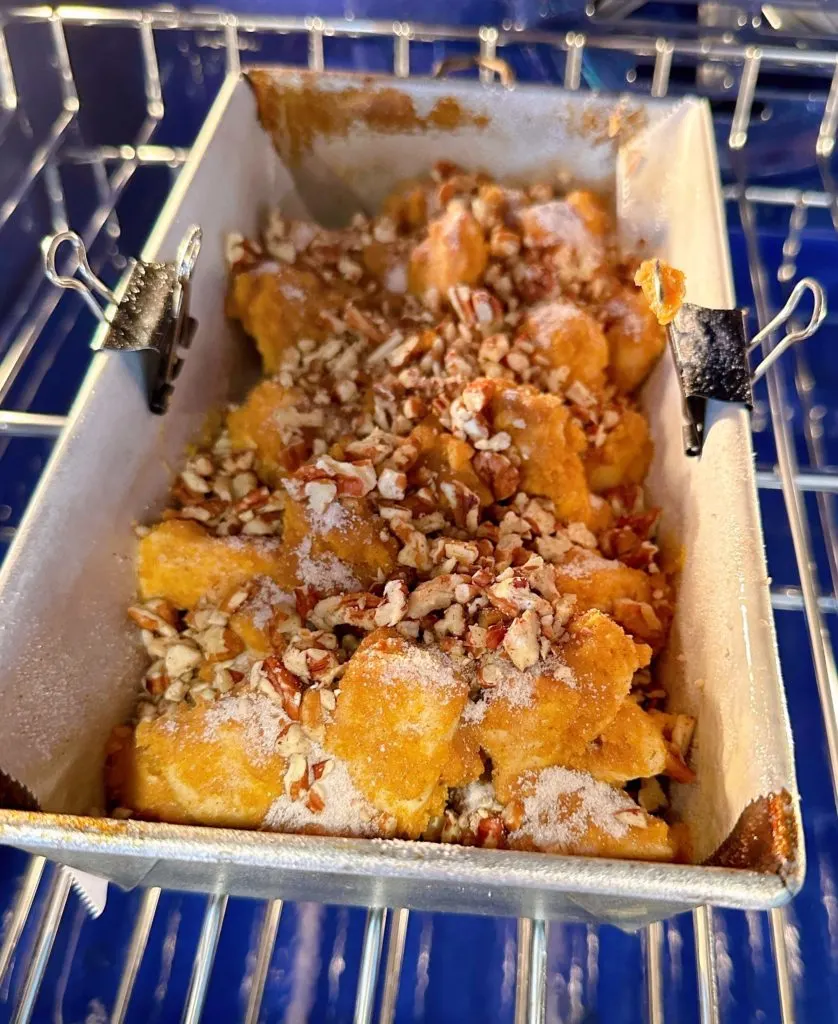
x=360 y=322
x=476 y=307
x=296 y=776
x=374 y=448
x=394 y=606
x=415 y=553
x=521 y=640
x=641 y=620
x=540 y=518
x=220 y=643
x=504 y=244
x=181 y=659
x=351 y=478
x=320 y=494
x=465 y=552
x=357 y=610
x=287 y=620
x=498 y=442
x=467 y=422
x=453 y=622
x=464 y=503
x=511 y=594
x=553 y=549
x=497 y=472
x=493 y=348
x=434 y=595
x=494 y=636
x=285 y=684
x=491 y=832
x=145 y=618
x=392 y=484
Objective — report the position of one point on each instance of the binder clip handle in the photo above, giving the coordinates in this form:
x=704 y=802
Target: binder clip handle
x=149 y=316
x=87 y=283
x=710 y=349
x=816 y=318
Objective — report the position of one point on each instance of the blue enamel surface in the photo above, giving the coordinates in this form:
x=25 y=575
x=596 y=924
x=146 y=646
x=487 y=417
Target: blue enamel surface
x=455 y=969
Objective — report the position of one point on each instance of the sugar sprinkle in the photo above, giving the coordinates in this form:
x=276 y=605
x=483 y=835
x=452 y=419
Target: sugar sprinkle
x=565 y=804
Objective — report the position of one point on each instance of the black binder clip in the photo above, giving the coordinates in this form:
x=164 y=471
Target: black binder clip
x=152 y=315
x=711 y=348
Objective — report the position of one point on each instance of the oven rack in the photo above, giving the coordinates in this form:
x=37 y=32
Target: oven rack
x=792 y=444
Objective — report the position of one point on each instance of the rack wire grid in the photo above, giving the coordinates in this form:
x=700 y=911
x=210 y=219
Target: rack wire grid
x=98 y=109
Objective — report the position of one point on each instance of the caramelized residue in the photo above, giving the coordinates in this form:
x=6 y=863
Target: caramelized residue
x=297 y=112
x=664 y=288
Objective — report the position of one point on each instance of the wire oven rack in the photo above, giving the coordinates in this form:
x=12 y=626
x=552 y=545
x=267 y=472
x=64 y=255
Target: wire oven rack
x=163 y=955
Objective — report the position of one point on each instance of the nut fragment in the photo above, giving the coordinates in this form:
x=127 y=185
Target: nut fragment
x=498 y=472
x=521 y=640
x=286 y=685
x=392 y=484
x=181 y=659
x=432 y=596
x=320 y=494
x=394 y=607
x=295 y=772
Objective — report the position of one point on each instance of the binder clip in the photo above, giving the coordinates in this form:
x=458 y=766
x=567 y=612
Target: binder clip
x=151 y=316
x=711 y=348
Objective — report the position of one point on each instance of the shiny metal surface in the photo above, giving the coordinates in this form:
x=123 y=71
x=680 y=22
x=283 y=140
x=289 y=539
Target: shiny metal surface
x=393 y=966
x=204 y=958
x=705 y=956
x=792 y=484
x=653 y=940
x=267 y=941
x=20 y=913
x=134 y=955
x=57 y=895
x=370 y=959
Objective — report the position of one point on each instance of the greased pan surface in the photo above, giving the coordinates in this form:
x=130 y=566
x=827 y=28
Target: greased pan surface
x=71 y=662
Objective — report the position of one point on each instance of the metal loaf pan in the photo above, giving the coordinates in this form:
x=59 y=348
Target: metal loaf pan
x=71 y=663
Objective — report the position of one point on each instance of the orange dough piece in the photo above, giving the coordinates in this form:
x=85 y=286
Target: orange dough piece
x=672 y=285
x=455 y=252
x=632 y=746
x=557 y=222
x=257 y=423
x=396 y=716
x=575 y=227
x=593 y=210
x=212 y=764
x=564 y=705
x=570 y=337
x=445 y=458
x=407 y=205
x=635 y=339
x=180 y=561
x=564 y=811
x=598 y=582
x=549 y=443
x=347 y=556
x=464 y=763
x=279 y=306
x=624 y=457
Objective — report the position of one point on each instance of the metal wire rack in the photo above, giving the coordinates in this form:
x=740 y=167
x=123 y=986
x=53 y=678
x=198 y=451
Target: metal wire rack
x=792 y=427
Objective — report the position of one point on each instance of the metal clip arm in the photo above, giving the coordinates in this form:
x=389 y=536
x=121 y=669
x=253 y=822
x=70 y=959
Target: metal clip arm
x=150 y=317
x=710 y=348
x=89 y=282
x=786 y=313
